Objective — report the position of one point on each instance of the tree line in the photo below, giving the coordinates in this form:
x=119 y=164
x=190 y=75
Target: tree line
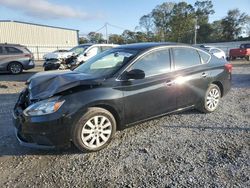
x=177 y=22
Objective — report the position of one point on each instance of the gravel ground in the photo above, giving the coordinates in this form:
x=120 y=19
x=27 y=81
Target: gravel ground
x=189 y=149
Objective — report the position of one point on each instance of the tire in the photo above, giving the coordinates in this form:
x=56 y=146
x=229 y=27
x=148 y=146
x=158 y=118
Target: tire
x=248 y=58
x=15 y=68
x=211 y=99
x=94 y=130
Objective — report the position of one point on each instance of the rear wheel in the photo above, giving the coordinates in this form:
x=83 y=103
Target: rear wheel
x=15 y=68
x=94 y=130
x=248 y=58
x=211 y=99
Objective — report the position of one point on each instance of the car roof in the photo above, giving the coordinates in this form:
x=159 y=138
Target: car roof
x=87 y=44
x=105 y=45
x=8 y=44
x=148 y=45
x=90 y=44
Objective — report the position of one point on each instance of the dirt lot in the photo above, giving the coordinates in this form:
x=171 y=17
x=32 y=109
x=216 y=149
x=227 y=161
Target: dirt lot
x=188 y=149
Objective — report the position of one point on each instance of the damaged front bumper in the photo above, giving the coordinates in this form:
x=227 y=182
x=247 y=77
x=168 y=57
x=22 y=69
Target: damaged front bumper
x=25 y=143
x=41 y=133
x=51 y=65
x=44 y=132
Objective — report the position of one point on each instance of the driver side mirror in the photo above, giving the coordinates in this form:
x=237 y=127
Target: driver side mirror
x=135 y=74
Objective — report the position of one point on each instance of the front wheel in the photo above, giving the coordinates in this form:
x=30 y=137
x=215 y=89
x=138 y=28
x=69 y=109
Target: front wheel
x=211 y=99
x=94 y=130
x=15 y=68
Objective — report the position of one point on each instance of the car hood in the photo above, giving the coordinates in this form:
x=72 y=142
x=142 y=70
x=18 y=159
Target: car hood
x=58 y=55
x=46 y=84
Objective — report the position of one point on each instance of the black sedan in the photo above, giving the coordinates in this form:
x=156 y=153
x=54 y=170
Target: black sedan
x=117 y=88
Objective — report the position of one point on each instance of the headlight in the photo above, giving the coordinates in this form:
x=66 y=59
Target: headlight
x=43 y=107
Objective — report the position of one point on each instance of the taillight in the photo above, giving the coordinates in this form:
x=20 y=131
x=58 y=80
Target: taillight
x=229 y=67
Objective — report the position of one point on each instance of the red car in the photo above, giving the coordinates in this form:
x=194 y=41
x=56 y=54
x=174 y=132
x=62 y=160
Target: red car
x=242 y=52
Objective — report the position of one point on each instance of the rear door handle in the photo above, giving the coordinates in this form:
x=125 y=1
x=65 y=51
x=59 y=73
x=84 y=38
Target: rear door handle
x=204 y=75
x=169 y=83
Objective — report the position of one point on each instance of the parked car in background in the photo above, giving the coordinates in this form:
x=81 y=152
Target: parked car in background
x=55 y=54
x=75 y=56
x=93 y=50
x=15 y=58
x=242 y=52
x=62 y=50
x=117 y=88
x=215 y=51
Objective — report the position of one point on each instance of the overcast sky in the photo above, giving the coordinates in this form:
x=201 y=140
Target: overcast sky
x=90 y=15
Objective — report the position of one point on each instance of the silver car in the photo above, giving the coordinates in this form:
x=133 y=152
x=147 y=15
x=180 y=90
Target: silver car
x=15 y=58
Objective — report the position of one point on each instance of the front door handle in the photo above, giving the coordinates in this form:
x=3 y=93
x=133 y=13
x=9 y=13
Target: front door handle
x=204 y=75
x=169 y=83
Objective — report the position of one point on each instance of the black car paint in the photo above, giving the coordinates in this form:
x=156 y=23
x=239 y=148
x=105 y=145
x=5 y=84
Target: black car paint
x=130 y=101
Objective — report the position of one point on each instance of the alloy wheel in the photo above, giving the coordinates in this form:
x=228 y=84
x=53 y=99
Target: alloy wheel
x=96 y=131
x=15 y=68
x=212 y=99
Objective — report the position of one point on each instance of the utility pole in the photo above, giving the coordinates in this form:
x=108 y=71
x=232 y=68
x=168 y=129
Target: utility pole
x=106 y=29
x=196 y=26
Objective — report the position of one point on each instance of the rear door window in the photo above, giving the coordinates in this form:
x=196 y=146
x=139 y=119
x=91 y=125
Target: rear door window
x=12 y=50
x=154 y=63
x=185 y=57
x=1 y=50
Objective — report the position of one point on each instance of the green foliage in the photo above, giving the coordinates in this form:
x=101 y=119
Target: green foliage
x=182 y=23
x=116 y=39
x=161 y=16
x=83 y=40
x=247 y=29
x=204 y=33
x=176 y=22
x=217 y=32
x=232 y=24
x=128 y=36
x=203 y=10
x=146 y=23
x=94 y=37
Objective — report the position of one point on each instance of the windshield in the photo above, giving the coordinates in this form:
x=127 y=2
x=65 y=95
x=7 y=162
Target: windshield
x=106 y=63
x=79 y=49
